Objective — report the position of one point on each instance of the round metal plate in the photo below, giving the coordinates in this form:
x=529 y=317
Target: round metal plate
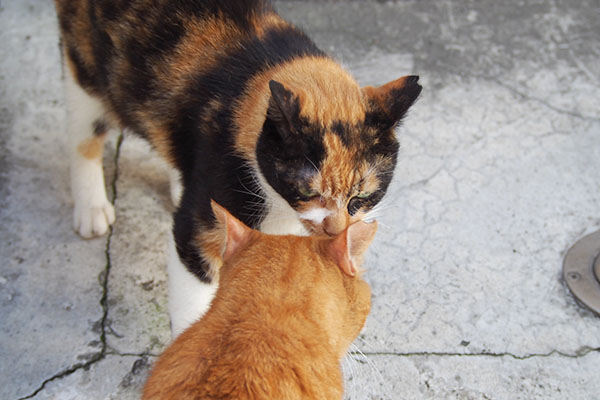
x=581 y=271
x=597 y=268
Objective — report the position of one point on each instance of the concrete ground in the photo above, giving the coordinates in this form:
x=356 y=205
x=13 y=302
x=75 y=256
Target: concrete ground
x=498 y=175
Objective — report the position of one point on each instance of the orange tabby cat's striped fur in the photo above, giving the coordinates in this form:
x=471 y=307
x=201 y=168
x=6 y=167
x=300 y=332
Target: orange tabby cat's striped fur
x=286 y=310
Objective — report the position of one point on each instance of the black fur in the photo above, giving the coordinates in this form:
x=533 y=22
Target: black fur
x=390 y=114
x=100 y=127
x=287 y=165
x=85 y=76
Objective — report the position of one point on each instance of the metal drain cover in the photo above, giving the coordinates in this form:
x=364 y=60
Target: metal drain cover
x=581 y=271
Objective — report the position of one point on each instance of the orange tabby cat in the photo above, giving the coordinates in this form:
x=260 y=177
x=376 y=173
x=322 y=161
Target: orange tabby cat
x=286 y=310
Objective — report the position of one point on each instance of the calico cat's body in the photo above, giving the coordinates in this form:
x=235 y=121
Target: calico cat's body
x=244 y=107
x=286 y=310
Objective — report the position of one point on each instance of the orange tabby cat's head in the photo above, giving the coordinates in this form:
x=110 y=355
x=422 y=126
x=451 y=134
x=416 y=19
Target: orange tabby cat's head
x=329 y=147
x=317 y=278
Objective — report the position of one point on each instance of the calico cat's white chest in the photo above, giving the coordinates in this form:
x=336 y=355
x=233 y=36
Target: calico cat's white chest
x=281 y=219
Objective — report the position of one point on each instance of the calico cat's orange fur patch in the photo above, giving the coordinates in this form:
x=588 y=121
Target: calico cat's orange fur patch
x=92 y=147
x=198 y=50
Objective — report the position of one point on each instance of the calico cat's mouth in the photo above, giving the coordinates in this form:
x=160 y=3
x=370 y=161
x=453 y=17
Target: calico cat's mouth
x=324 y=221
x=315 y=215
x=313 y=221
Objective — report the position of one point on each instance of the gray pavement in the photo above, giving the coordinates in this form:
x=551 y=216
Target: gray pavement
x=498 y=175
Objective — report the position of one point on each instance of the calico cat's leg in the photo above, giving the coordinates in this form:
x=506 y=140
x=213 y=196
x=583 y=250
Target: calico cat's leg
x=175 y=185
x=93 y=213
x=189 y=298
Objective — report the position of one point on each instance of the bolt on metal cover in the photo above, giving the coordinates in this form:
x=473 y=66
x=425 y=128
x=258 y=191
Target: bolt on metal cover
x=581 y=271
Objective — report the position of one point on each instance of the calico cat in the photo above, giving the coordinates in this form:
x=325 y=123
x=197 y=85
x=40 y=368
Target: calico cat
x=286 y=310
x=243 y=106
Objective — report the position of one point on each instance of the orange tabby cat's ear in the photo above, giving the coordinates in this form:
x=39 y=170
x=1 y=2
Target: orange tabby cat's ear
x=348 y=247
x=235 y=234
x=390 y=102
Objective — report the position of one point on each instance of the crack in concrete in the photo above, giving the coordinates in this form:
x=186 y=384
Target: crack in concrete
x=580 y=353
x=519 y=93
x=113 y=352
x=103 y=278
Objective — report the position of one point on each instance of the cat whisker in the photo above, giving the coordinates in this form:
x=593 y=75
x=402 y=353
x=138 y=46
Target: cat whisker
x=350 y=373
x=277 y=219
x=250 y=192
x=378 y=373
x=366 y=343
x=314 y=166
x=373 y=367
x=359 y=374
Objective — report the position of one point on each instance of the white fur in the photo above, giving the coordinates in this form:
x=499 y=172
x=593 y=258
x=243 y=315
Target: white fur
x=175 y=185
x=189 y=298
x=281 y=218
x=316 y=215
x=93 y=212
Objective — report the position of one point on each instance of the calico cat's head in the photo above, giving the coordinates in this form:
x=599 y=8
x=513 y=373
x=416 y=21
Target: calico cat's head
x=319 y=277
x=329 y=148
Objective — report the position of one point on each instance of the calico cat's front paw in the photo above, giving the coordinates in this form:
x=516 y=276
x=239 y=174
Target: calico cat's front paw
x=90 y=222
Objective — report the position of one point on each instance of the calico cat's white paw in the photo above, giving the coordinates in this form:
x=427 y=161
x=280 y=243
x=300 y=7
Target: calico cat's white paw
x=90 y=222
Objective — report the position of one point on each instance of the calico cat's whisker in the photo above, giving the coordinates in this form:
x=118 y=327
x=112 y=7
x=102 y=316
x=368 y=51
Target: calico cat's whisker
x=384 y=205
x=253 y=177
x=374 y=214
x=248 y=191
x=314 y=166
x=277 y=210
x=378 y=219
x=255 y=204
x=278 y=219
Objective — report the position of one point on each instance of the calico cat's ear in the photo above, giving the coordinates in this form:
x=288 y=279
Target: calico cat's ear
x=284 y=109
x=390 y=102
x=348 y=247
x=235 y=235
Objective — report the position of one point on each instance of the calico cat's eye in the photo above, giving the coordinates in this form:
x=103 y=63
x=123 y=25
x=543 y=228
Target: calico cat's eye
x=357 y=202
x=306 y=192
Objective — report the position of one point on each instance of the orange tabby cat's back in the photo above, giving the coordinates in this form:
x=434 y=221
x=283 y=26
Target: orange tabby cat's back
x=285 y=313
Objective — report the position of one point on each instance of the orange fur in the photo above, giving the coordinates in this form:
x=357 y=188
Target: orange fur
x=316 y=80
x=205 y=40
x=285 y=313
x=92 y=147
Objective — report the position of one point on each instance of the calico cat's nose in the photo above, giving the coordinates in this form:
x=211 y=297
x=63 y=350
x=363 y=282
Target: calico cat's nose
x=335 y=223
